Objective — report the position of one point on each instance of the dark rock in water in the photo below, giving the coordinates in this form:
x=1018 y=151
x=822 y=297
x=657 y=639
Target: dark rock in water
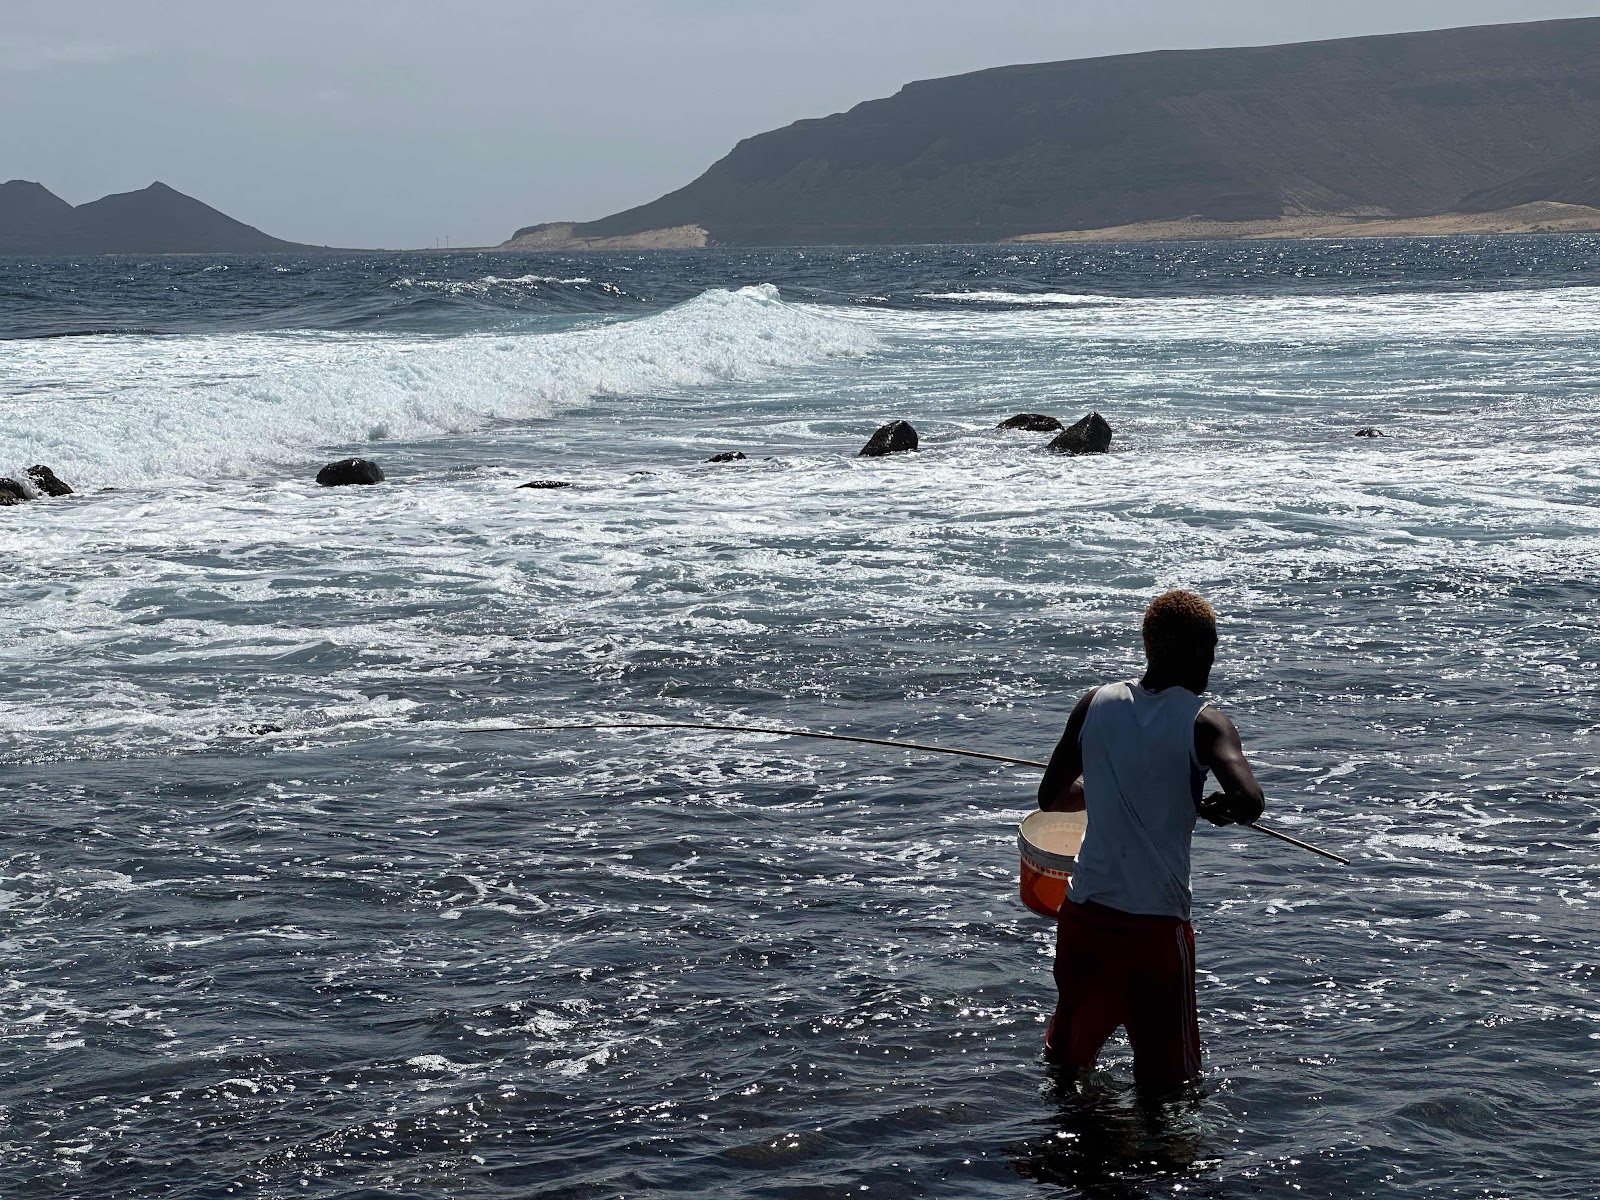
x=1031 y=422
x=544 y=483
x=12 y=492
x=47 y=481
x=892 y=438
x=348 y=471
x=1092 y=435
x=727 y=456
x=1370 y=432
x=254 y=728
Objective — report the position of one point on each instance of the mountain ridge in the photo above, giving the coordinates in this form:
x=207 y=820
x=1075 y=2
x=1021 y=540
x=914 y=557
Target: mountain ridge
x=153 y=220
x=1394 y=126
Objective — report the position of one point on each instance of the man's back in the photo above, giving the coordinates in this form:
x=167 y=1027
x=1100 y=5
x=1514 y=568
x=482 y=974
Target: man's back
x=1142 y=784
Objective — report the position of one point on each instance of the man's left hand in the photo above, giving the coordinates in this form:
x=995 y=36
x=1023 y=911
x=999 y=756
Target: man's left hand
x=1218 y=808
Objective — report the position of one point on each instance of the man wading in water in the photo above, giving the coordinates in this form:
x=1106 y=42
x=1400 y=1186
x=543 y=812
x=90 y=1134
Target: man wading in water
x=1124 y=945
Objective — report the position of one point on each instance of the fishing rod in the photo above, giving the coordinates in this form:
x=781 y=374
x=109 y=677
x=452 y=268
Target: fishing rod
x=924 y=747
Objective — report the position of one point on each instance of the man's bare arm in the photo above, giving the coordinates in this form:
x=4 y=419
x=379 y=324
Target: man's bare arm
x=1217 y=745
x=1059 y=790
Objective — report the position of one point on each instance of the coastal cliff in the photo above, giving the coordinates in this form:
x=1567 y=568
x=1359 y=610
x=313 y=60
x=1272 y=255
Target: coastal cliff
x=1420 y=132
x=564 y=235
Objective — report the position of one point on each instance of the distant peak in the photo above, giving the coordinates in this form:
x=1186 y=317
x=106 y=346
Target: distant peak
x=155 y=219
x=23 y=199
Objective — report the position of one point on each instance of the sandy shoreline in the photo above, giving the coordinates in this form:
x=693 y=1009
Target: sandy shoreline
x=1541 y=217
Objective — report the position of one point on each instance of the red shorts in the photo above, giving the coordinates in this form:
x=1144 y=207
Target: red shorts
x=1115 y=968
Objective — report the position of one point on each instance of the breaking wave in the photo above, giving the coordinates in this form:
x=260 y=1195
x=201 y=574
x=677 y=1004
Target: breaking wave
x=129 y=410
x=1024 y=299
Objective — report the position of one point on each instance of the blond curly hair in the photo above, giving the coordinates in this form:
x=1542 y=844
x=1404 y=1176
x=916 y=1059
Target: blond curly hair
x=1176 y=624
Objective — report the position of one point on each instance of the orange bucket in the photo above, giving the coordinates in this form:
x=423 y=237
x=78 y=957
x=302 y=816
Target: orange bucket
x=1049 y=844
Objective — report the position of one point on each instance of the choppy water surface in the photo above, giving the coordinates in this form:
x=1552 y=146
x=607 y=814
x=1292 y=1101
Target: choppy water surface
x=277 y=922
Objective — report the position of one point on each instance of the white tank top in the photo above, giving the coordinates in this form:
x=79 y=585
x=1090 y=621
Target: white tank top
x=1141 y=785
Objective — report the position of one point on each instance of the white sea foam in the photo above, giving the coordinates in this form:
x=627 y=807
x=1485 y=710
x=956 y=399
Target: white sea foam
x=573 y=280
x=1317 y=317
x=1041 y=299
x=485 y=285
x=130 y=410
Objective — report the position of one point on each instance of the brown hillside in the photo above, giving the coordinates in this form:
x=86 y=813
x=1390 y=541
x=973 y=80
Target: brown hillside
x=1395 y=126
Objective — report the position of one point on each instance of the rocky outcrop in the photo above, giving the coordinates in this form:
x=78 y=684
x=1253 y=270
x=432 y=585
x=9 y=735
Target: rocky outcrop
x=727 y=456
x=349 y=471
x=1031 y=423
x=563 y=235
x=543 y=484
x=1370 y=432
x=47 y=481
x=1092 y=435
x=893 y=438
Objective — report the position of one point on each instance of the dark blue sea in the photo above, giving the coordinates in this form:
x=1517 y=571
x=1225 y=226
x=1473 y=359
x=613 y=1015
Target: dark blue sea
x=284 y=912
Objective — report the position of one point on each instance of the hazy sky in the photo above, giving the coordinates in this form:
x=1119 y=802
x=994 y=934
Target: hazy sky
x=399 y=122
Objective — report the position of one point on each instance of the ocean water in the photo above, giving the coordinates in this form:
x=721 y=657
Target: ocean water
x=278 y=922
